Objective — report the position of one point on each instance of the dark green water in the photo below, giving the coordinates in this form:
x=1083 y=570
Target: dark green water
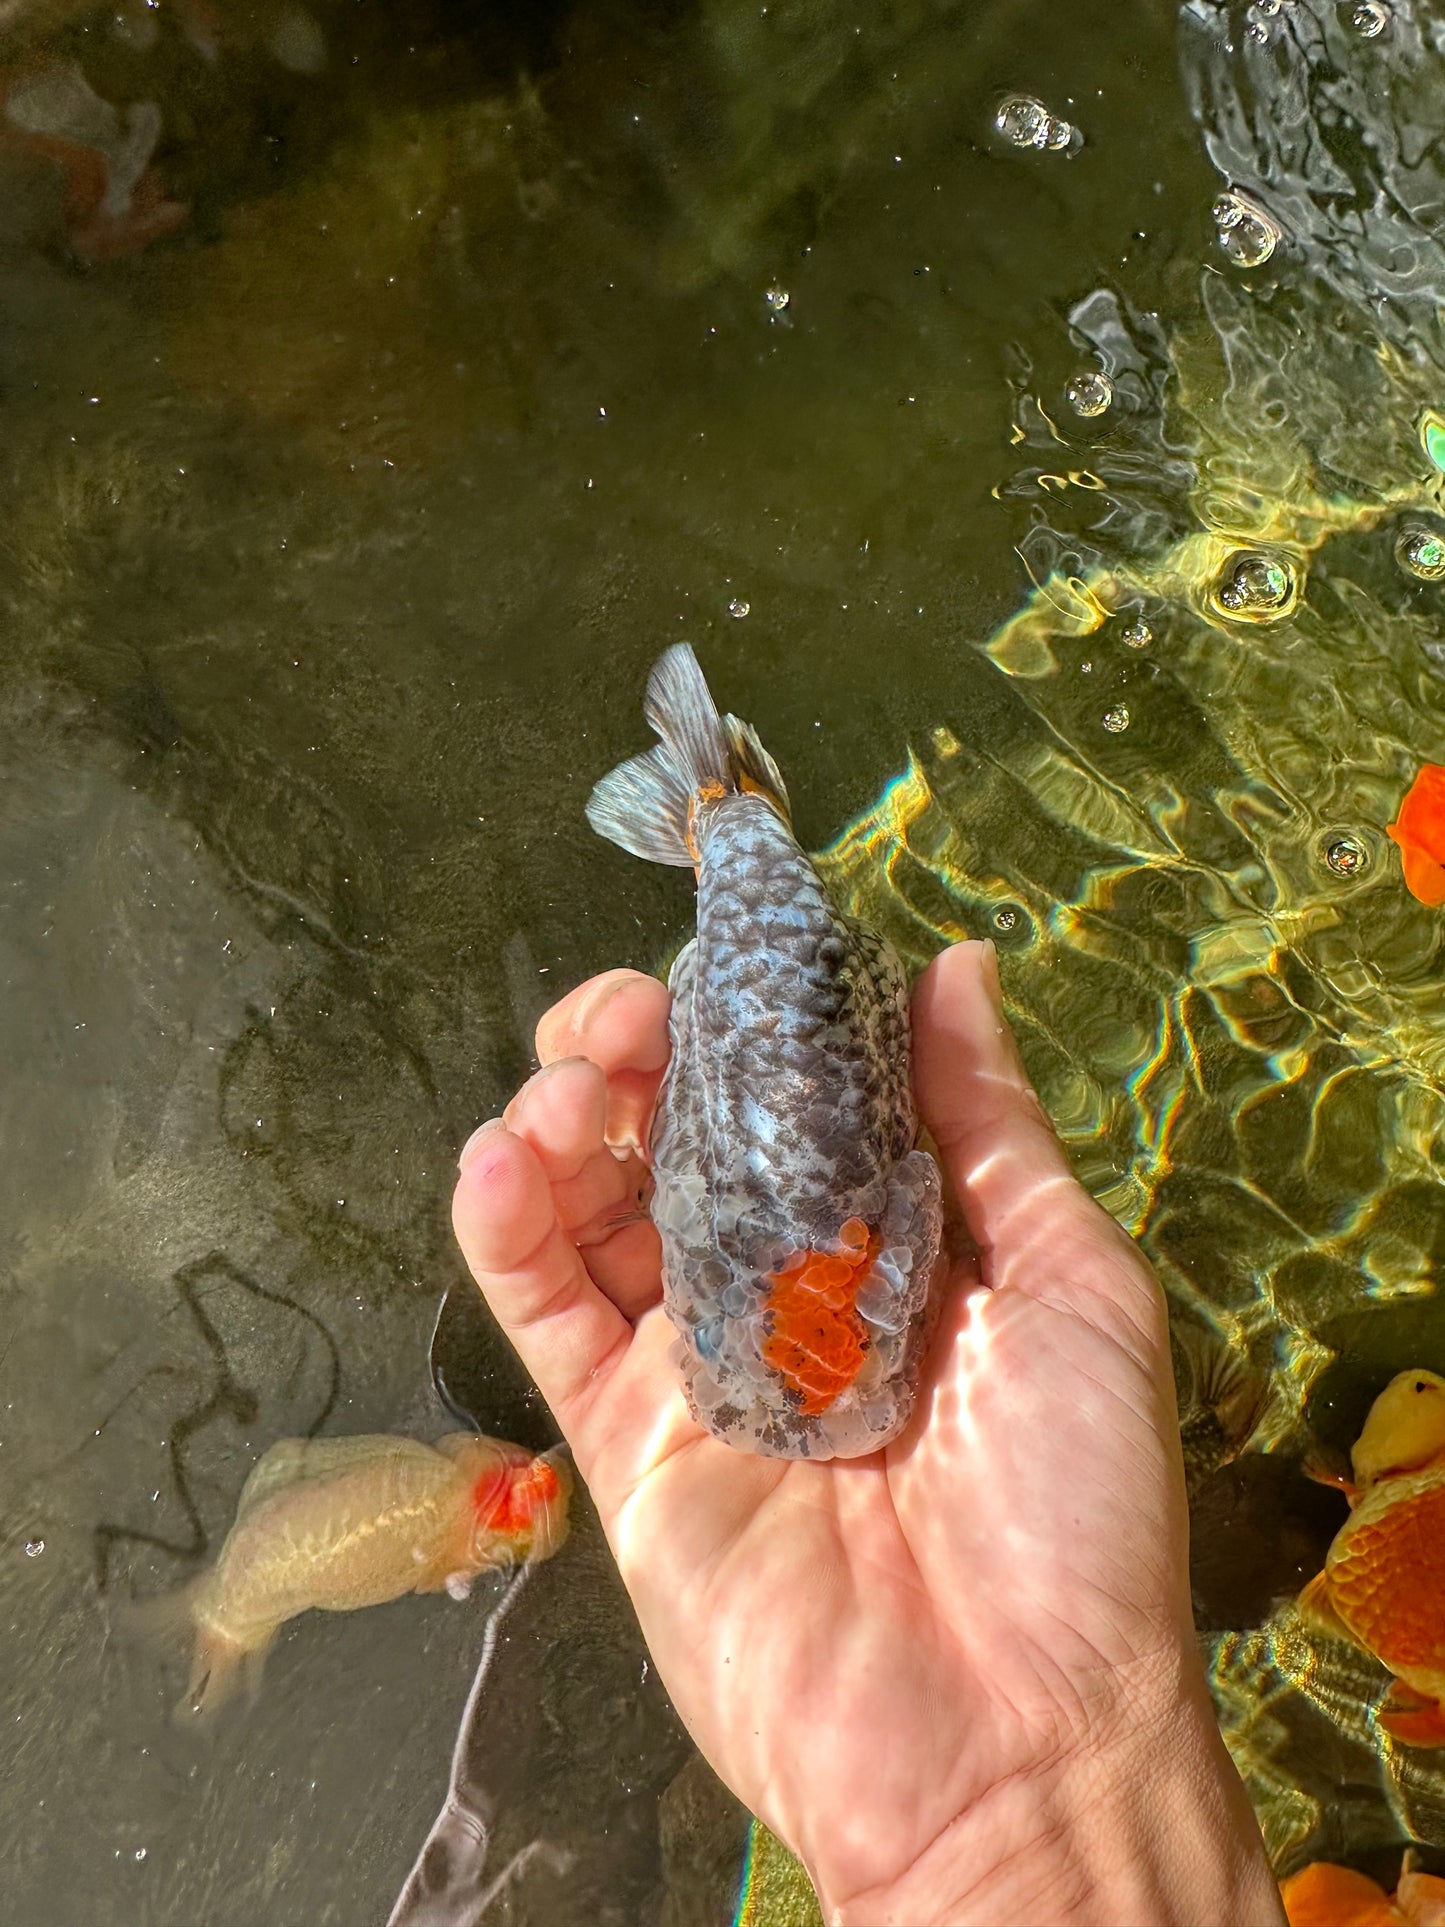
x=340 y=522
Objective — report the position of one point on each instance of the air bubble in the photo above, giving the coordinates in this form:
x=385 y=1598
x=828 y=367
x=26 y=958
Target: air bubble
x=1247 y=234
x=1369 y=19
x=1005 y=920
x=1432 y=437
x=1256 y=588
x=1116 y=720
x=777 y=299
x=738 y=608
x=1026 y=122
x=1421 y=552
x=1089 y=393
x=1138 y=635
x=1345 y=855
x=34 y=1548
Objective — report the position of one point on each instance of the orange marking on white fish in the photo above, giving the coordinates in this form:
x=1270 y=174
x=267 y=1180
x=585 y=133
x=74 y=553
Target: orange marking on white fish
x=1383 y=1586
x=1419 y=830
x=347 y=1522
x=817 y=1342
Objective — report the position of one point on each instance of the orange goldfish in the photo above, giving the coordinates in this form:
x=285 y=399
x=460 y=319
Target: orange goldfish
x=1383 y=1586
x=1324 y=1895
x=341 y=1523
x=1419 y=830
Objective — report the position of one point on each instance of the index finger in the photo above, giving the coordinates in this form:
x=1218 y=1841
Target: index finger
x=618 y=1021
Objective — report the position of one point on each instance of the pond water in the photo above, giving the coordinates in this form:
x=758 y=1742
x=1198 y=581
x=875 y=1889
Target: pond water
x=380 y=390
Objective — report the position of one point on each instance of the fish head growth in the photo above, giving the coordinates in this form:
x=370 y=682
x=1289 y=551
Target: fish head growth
x=1405 y=1428
x=517 y=1509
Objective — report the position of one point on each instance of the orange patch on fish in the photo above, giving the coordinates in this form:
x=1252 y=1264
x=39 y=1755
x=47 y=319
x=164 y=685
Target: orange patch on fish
x=512 y=1502
x=1323 y=1895
x=817 y=1342
x=1419 y=829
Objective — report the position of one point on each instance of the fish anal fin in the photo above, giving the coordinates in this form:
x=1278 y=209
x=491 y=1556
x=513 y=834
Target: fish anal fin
x=1410 y=1717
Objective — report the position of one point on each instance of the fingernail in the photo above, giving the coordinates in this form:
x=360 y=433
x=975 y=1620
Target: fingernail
x=474 y=1142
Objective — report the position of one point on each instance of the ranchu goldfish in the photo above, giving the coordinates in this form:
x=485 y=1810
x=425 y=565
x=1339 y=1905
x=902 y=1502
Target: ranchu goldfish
x=347 y=1522
x=800 y=1228
x=1419 y=830
x=1383 y=1586
x=1324 y=1895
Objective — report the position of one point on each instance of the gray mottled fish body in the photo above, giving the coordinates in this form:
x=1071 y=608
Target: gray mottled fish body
x=800 y=1229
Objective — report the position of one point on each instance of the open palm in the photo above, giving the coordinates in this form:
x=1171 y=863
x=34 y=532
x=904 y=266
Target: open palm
x=879 y=1655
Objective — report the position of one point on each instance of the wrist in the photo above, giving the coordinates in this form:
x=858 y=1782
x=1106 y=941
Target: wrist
x=1151 y=1830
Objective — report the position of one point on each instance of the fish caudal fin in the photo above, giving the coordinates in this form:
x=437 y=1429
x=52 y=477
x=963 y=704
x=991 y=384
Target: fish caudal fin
x=753 y=768
x=218 y=1663
x=647 y=804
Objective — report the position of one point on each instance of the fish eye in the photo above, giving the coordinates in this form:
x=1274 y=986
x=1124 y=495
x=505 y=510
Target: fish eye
x=1421 y=1385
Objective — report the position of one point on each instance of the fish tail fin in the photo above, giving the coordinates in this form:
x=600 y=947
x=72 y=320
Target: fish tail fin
x=647 y=804
x=1226 y=1382
x=172 y=1620
x=220 y=1665
x=753 y=768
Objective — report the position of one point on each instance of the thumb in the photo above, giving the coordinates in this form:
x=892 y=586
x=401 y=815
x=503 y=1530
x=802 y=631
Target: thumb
x=1030 y=1217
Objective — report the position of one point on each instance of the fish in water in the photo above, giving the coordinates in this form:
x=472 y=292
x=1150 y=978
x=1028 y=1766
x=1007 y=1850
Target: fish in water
x=1383 y=1586
x=1324 y=1895
x=346 y=1522
x=800 y=1227
x=1419 y=830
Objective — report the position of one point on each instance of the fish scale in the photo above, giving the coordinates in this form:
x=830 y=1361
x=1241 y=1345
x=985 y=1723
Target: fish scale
x=800 y=1231
x=1388 y=1578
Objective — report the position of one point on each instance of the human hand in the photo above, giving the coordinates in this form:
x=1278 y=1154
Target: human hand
x=957 y=1677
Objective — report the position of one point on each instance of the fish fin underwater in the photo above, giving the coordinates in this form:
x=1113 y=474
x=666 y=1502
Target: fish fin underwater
x=1317 y=1610
x=221 y=1667
x=1411 y=1718
x=647 y=804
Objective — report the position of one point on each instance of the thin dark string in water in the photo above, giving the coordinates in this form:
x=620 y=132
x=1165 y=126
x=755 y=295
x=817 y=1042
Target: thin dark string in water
x=454 y=1895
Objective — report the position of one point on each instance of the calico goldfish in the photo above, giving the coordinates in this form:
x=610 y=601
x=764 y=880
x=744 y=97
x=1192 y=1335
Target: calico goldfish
x=1383 y=1586
x=1324 y=1895
x=1419 y=830
x=346 y=1522
x=800 y=1227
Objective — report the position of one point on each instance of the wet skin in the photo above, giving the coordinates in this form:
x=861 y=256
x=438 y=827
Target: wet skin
x=943 y=1674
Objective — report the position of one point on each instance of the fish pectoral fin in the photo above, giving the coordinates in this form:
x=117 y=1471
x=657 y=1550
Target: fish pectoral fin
x=1326 y=1467
x=1411 y=1717
x=1317 y=1609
